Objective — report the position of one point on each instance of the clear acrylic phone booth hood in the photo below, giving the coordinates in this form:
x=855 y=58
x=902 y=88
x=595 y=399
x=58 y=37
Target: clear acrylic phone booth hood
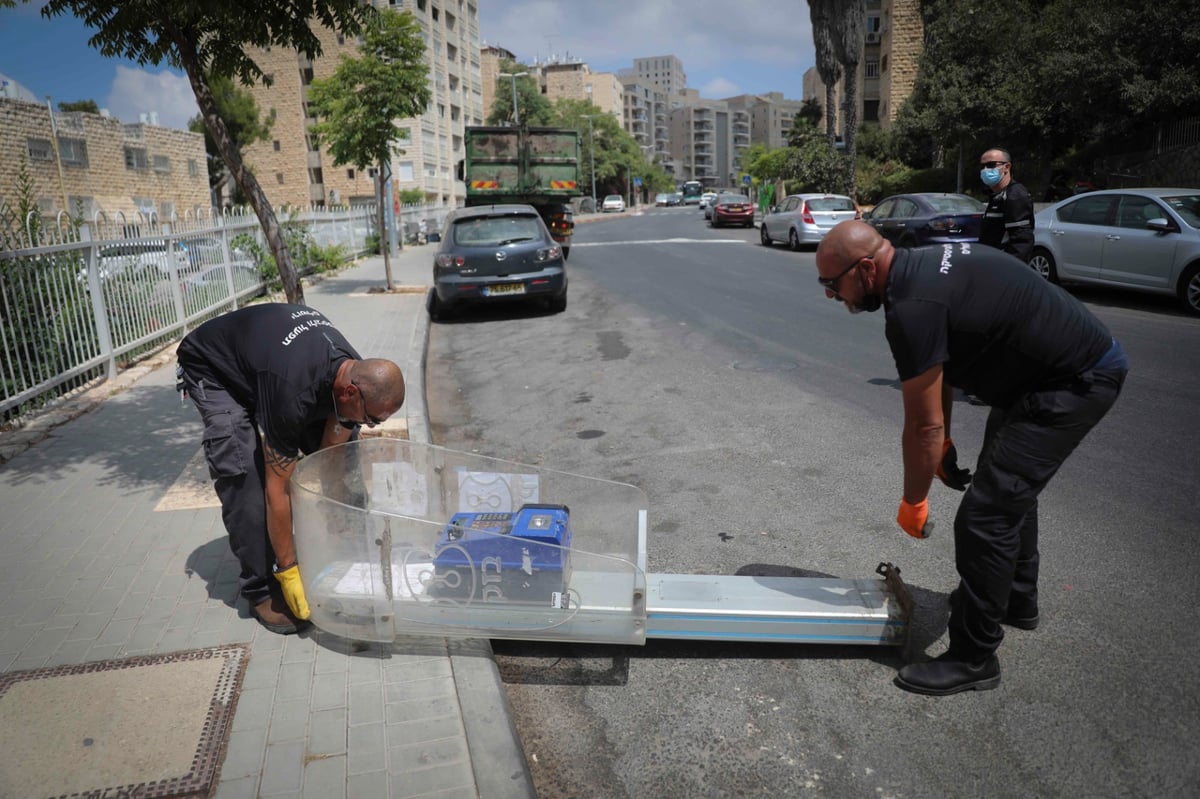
x=396 y=538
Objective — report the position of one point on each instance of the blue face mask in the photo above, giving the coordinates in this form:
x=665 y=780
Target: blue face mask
x=990 y=176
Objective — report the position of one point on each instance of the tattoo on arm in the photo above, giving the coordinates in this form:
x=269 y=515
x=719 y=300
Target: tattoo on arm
x=278 y=462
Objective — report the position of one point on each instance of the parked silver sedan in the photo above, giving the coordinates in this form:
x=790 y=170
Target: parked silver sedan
x=1140 y=239
x=805 y=218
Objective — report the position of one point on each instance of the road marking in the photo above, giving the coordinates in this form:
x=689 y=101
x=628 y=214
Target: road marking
x=657 y=241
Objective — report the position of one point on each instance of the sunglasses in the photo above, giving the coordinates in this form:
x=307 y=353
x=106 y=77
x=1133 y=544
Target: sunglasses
x=992 y=164
x=831 y=283
x=370 y=421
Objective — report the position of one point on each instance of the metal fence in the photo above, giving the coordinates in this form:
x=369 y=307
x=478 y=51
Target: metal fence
x=81 y=300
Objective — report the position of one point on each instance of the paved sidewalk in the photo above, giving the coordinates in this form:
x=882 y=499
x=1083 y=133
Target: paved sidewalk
x=90 y=570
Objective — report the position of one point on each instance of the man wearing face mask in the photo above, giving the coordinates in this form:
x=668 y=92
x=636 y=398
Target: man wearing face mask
x=968 y=317
x=1008 y=218
x=274 y=382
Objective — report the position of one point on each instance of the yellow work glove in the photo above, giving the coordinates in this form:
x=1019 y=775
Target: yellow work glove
x=293 y=591
x=914 y=519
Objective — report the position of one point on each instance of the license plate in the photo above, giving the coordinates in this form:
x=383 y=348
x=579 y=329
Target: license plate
x=504 y=290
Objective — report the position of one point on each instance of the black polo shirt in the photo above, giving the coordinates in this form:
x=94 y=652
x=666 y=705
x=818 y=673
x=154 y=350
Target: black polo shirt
x=276 y=360
x=997 y=327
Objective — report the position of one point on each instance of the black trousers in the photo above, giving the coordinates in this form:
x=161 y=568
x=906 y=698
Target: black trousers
x=996 y=528
x=234 y=452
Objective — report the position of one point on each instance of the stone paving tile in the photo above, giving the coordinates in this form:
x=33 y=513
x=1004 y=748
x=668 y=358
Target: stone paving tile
x=283 y=771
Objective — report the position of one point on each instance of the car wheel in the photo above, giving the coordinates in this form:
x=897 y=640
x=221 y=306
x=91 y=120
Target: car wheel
x=793 y=240
x=438 y=311
x=1189 y=289
x=1042 y=262
x=557 y=304
x=764 y=236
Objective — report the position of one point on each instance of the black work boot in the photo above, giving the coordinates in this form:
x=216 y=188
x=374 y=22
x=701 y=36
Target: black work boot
x=946 y=674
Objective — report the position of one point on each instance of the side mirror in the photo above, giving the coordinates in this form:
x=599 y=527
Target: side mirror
x=1162 y=225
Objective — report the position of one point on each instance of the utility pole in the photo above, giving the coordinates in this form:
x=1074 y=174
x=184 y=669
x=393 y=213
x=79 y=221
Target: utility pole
x=514 y=76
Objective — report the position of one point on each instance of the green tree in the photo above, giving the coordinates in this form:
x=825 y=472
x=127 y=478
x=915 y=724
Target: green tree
x=849 y=37
x=359 y=104
x=206 y=38
x=244 y=124
x=535 y=109
x=87 y=106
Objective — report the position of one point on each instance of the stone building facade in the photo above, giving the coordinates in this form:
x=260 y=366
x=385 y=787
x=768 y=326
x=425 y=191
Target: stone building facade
x=294 y=170
x=100 y=165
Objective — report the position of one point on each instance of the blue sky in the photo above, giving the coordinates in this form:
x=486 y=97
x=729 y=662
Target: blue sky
x=727 y=48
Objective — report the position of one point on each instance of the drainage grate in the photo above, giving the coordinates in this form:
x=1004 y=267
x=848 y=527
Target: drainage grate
x=126 y=727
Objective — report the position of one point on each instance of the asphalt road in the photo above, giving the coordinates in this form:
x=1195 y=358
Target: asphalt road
x=763 y=422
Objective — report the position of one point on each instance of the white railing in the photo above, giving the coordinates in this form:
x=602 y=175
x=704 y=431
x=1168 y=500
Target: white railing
x=78 y=301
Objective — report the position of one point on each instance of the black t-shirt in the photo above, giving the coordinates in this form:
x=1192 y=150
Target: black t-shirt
x=279 y=362
x=997 y=327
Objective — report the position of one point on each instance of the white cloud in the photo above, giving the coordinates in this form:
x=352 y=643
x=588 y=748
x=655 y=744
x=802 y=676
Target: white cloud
x=720 y=87
x=138 y=91
x=755 y=45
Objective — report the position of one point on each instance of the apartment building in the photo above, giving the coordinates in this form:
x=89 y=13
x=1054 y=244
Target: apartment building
x=490 y=59
x=89 y=164
x=646 y=118
x=294 y=170
x=769 y=115
x=663 y=72
x=707 y=138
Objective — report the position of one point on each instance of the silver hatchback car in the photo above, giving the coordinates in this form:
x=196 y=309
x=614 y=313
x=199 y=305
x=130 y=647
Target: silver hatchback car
x=805 y=218
x=1140 y=239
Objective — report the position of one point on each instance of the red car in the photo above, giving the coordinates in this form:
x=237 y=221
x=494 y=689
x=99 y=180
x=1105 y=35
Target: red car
x=732 y=209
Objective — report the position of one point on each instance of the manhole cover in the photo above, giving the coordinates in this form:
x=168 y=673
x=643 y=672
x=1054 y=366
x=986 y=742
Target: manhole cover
x=151 y=726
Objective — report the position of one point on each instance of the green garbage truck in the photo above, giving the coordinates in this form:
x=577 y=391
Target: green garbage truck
x=532 y=165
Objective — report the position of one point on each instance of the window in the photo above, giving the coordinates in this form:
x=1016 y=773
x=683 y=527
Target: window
x=350 y=174
x=1136 y=211
x=84 y=207
x=135 y=158
x=162 y=164
x=73 y=152
x=1088 y=210
x=279 y=178
x=405 y=171
x=39 y=149
x=870 y=110
x=275 y=145
x=871 y=68
x=306 y=76
x=193 y=168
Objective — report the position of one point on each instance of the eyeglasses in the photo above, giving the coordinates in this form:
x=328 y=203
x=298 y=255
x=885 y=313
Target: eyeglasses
x=830 y=283
x=370 y=421
x=992 y=164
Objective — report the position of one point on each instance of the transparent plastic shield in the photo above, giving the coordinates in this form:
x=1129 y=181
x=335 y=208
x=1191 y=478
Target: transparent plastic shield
x=397 y=538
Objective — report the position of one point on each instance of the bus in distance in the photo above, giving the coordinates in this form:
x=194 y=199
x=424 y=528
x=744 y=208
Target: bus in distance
x=692 y=190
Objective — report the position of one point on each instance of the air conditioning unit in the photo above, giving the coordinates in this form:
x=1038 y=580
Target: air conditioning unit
x=872 y=38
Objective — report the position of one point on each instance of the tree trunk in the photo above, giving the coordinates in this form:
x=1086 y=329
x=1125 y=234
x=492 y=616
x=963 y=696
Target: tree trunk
x=237 y=167
x=384 y=239
x=851 y=129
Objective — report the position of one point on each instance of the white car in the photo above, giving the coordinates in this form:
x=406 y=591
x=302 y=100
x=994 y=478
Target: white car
x=613 y=202
x=805 y=218
x=706 y=201
x=1144 y=239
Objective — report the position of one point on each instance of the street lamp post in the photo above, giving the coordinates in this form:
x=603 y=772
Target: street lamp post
x=592 y=151
x=514 y=76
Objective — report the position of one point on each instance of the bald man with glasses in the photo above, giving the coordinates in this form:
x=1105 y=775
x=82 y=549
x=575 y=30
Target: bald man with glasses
x=969 y=317
x=274 y=382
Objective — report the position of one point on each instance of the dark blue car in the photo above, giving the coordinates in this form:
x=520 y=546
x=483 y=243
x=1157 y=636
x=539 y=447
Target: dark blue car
x=910 y=220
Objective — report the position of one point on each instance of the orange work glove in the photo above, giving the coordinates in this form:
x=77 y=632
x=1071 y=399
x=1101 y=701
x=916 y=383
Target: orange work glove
x=914 y=519
x=948 y=471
